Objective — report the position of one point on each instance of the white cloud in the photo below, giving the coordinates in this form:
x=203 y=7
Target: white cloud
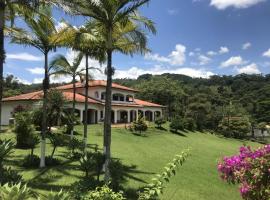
x=37 y=80
x=246 y=46
x=26 y=82
x=223 y=4
x=223 y=50
x=211 y=53
x=25 y=57
x=134 y=72
x=176 y=57
x=191 y=54
x=233 y=61
x=249 y=69
x=36 y=70
x=204 y=60
x=267 y=53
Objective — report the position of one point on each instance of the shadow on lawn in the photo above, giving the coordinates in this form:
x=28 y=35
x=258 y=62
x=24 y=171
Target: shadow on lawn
x=178 y=133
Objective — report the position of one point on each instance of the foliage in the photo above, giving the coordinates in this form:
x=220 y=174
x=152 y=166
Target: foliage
x=16 y=192
x=117 y=172
x=8 y=175
x=160 y=121
x=104 y=193
x=57 y=196
x=236 y=127
x=251 y=170
x=6 y=148
x=24 y=129
x=139 y=125
x=31 y=161
x=75 y=144
x=189 y=124
x=154 y=189
x=81 y=188
x=56 y=140
x=177 y=124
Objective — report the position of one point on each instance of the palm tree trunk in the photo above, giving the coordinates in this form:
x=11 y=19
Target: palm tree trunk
x=2 y=55
x=73 y=104
x=86 y=103
x=107 y=121
x=44 y=114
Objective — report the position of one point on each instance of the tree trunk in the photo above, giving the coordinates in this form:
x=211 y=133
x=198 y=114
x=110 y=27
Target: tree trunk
x=54 y=148
x=86 y=103
x=107 y=121
x=73 y=104
x=44 y=114
x=2 y=55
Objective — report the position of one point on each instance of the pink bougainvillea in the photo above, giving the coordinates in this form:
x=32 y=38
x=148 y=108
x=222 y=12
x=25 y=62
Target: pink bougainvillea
x=251 y=169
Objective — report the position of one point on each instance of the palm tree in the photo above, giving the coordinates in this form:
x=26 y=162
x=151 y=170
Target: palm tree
x=61 y=66
x=86 y=40
x=8 y=11
x=122 y=31
x=40 y=36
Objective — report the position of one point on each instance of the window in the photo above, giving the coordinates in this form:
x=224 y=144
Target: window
x=129 y=98
x=96 y=94
x=101 y=114
x=103 y=94
x=118 y=97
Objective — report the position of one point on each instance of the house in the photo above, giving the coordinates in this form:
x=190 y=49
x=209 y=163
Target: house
x=125 y=107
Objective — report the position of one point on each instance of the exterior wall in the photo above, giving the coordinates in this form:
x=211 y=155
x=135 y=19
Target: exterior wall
x=92 y=92
x=8 y=108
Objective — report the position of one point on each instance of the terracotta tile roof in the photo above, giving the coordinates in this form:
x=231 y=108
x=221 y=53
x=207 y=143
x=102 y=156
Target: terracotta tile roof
x=146 y=103
x=28 y=96
x=38 y=96
x=96 y=83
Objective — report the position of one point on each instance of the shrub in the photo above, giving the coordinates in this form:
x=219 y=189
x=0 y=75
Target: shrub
x=57 y=196
x=139 y=125
x=31 y=161
x=189 y=124
x=117 y=173
x=6 y=148
x=236 y=127
x=23 y=129
x=7 y=175
x=81 y=188
x=159 y=122
x=87 y=163
x=75 y=144
x=16 y=192
x=104 y=193
x=56 y=140
x=251 y=169
x=176 y=124
x=37 y=118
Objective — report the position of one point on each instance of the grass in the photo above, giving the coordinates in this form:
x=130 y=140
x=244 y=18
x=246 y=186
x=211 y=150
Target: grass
x=196 y=180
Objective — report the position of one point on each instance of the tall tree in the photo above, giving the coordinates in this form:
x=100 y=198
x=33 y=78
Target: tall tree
x=41 y=35
x=122 y=31
x=61 y=66
x=8 y=11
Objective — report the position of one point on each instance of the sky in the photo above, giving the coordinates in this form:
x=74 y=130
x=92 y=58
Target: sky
x=198 y=38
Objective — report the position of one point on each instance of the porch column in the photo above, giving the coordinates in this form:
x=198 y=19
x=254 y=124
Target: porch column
x=98 y=116
x=81 y=115
x=115 y=116
x=137 y=114
x=128 y=116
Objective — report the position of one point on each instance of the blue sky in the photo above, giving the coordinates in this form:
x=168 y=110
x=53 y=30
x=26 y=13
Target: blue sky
x=198 y=38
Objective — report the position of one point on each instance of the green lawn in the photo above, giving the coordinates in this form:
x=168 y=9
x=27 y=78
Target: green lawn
x=196 y=180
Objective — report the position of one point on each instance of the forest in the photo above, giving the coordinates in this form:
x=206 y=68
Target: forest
x=202 y=103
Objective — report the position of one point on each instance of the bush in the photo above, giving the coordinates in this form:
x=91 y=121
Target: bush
x=57 y=140
x=251 y=170
x=6 y=148
x=189 y=124
x=159 y=122
x=79 y=189
x=176 y=124
x=37 y=118
x=16 y=192
x=104 y=193
x=75 y=144
x=31 y=161
x=139 y=125
x=117 y=172
x=7 y=175
x=237 y=127
x=23 y=129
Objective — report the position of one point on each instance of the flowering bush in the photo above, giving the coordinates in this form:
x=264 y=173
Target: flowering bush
x=251 y=169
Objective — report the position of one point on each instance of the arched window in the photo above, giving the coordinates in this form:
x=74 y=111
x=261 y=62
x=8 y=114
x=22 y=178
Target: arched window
x=118 y=97
x=103 y=95
x=96 y=94
x=129 y=98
